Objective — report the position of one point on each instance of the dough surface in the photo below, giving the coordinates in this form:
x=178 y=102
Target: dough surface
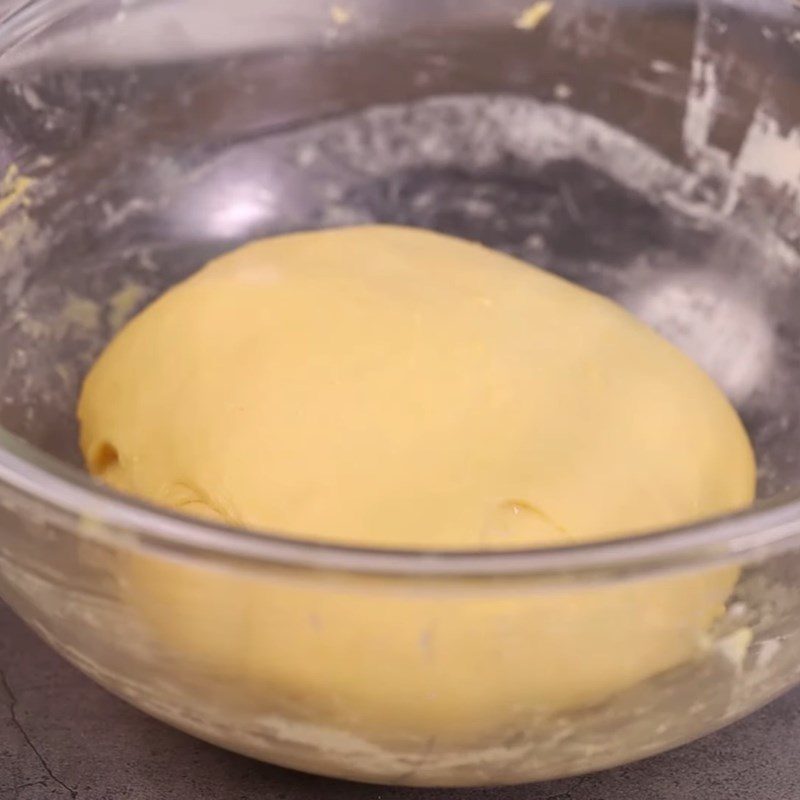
x=392 y=387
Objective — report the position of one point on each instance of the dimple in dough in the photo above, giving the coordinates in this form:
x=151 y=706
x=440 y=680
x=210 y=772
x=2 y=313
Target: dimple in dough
x=392 y=387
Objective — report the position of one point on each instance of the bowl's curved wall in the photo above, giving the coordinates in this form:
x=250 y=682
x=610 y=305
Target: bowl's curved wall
x=649 y=152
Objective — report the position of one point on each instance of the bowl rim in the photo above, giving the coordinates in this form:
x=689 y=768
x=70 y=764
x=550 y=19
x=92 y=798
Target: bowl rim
x=40 y=483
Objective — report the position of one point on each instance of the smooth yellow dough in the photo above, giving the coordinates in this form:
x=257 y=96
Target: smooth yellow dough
x=392 y=387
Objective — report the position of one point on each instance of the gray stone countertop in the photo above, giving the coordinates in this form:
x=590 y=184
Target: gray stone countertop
x=61 y=736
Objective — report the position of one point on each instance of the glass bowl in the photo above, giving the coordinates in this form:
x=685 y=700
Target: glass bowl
x=648 y=151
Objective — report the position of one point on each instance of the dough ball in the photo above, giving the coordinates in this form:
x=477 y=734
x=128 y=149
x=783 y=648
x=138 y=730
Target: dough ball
x=389 y=387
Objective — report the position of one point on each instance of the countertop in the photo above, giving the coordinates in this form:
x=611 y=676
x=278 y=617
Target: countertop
x=61 y=736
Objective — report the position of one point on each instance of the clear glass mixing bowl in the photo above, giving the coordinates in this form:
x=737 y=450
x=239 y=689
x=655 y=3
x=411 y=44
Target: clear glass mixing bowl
x=649 y=151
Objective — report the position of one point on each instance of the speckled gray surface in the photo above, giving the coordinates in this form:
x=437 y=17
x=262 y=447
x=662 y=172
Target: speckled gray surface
x=61 y=736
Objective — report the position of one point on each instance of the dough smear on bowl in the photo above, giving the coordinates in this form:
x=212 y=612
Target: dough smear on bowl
x=389 y=387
